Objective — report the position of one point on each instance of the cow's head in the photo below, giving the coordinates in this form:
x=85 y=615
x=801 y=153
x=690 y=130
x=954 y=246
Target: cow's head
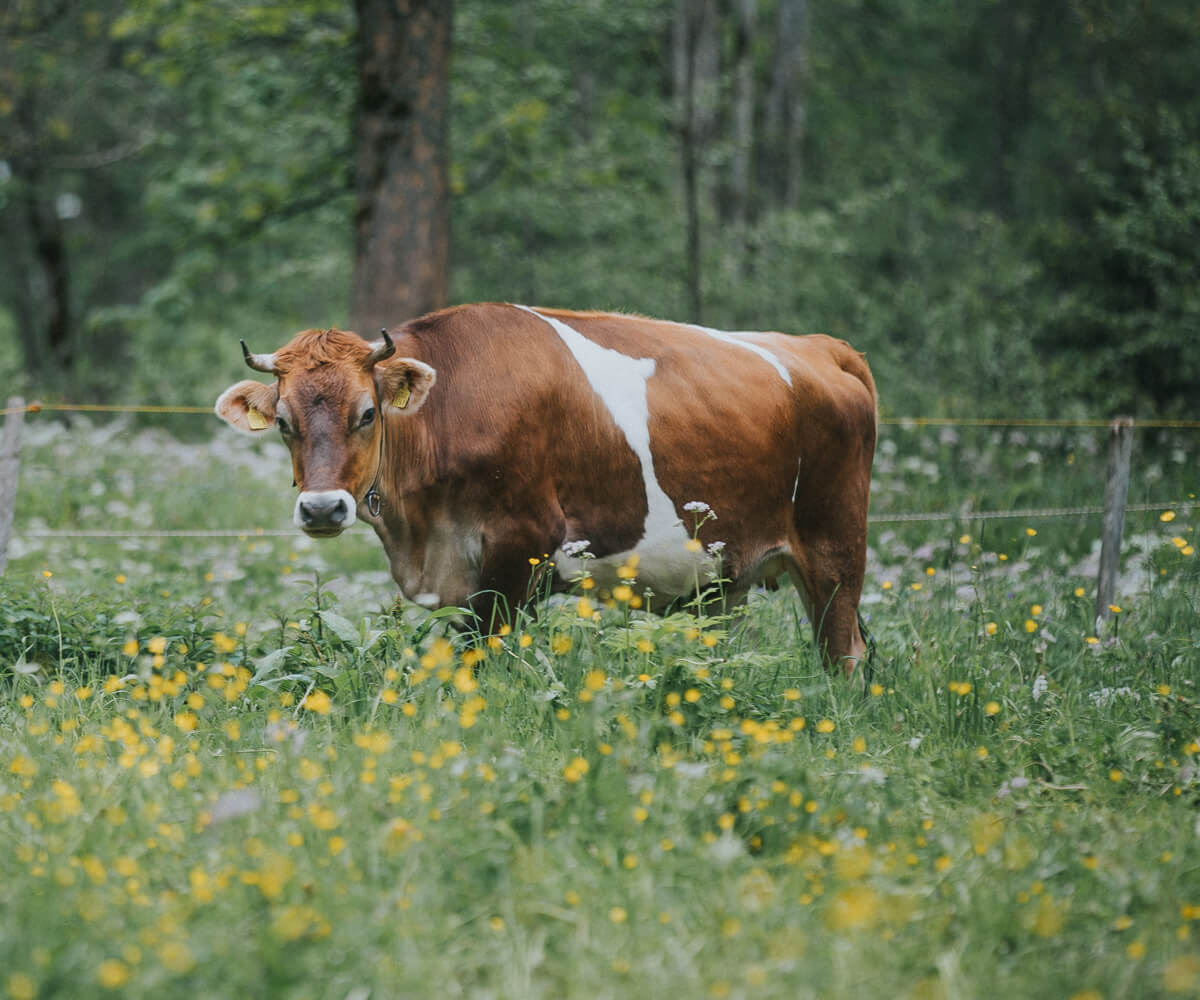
x=331 y=401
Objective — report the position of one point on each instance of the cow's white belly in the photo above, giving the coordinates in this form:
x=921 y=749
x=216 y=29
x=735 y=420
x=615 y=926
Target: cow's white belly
x=665 y=566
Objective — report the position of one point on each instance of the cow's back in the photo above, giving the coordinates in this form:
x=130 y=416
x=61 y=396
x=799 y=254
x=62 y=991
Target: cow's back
x=609 y=425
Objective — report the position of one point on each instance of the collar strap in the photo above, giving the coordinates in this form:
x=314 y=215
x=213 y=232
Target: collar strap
x=373 y=499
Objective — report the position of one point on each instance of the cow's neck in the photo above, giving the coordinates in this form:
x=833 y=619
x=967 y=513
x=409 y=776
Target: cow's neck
x=408 y=492
x=433 y=544
x=406 y=461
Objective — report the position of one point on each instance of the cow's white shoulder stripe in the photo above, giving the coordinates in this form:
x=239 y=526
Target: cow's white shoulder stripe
x=620 y=382
x=736 y=339
x=616 y=378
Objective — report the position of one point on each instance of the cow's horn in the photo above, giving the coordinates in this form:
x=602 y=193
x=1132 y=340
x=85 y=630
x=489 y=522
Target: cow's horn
x=380 y=351
x=259 y=362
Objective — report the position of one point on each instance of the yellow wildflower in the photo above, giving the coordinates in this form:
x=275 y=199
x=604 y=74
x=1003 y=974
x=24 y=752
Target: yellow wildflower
x=1182 y=974
x=317 y=701
x=112 y=974
x=576 y=769
x=19 y=986
x=854 y=908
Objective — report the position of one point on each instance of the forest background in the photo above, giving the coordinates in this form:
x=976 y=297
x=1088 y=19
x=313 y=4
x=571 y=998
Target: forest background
x=999 y=201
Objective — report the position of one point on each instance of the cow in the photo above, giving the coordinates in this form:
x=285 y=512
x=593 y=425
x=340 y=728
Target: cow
x=488 y=443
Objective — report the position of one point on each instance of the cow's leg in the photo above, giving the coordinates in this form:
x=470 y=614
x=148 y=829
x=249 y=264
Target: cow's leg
x=515 y=569
x=829 y=548
x=829 y=541
x=831 y=578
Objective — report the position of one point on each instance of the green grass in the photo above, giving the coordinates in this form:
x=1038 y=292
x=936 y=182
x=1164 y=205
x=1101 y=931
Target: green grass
x=214 y=781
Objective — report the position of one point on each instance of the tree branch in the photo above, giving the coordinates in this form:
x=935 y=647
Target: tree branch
x=103 y=157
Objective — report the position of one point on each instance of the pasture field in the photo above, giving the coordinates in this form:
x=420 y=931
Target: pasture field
x=232 y=767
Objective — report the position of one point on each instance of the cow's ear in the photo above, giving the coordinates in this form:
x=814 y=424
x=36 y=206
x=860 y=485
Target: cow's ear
x=404 y=383
x=248 y=406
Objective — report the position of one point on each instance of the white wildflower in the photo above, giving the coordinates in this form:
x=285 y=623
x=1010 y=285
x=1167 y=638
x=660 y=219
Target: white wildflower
x=1015 y=784
x=239 y=802
x=726 y=849
x=1106 y=696
x=575 y=548
x=1040 y=686
x=697 y=506
x=278 y=732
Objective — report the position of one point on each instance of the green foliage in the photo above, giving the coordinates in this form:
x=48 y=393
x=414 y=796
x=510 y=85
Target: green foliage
x=998 y=203
x=1134 y=306
x=225 y=148
x=254 y=185
x=563 y=158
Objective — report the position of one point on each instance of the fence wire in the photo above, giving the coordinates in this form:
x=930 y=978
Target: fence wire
x=1030 y=514
x=907 y=423
x=902 y=422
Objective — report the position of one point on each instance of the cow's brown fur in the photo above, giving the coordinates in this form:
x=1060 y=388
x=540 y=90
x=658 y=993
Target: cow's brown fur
x=512 y=452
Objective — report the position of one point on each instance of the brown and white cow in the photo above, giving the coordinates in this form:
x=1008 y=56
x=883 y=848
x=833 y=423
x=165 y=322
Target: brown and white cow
x=478 y=438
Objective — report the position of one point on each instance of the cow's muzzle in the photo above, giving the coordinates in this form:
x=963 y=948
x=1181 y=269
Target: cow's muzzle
x=324 y=513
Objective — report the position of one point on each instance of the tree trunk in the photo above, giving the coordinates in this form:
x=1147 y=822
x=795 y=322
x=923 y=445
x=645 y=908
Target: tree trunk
x=787 y=102
x=402 y=227
x=48 y=344
x=1019 y=31
x=743 y=118
x=696 y=72
x=23 y=284
x=527 y=43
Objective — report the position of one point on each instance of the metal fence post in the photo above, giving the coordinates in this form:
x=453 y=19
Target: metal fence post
x=10 y=462
x=1116 y=489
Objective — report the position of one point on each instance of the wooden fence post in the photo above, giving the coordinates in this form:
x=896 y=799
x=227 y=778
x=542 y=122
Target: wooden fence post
x=10 y=460
x=1116 y=489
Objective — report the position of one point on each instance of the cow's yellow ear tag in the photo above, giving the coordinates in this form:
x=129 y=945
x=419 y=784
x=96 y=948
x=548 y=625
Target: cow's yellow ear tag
x=255 y=419
x=403 y=395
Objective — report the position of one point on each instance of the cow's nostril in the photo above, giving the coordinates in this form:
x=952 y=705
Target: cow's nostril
x=325 y=510
x=324 y=513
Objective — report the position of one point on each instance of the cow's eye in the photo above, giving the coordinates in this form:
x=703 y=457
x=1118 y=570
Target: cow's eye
x=368 y=417
x=283 y=426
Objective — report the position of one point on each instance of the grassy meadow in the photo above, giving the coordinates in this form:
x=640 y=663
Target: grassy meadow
x=233 y=766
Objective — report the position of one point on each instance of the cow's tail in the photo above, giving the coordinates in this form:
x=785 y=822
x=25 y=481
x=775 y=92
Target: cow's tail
x=854 y=363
